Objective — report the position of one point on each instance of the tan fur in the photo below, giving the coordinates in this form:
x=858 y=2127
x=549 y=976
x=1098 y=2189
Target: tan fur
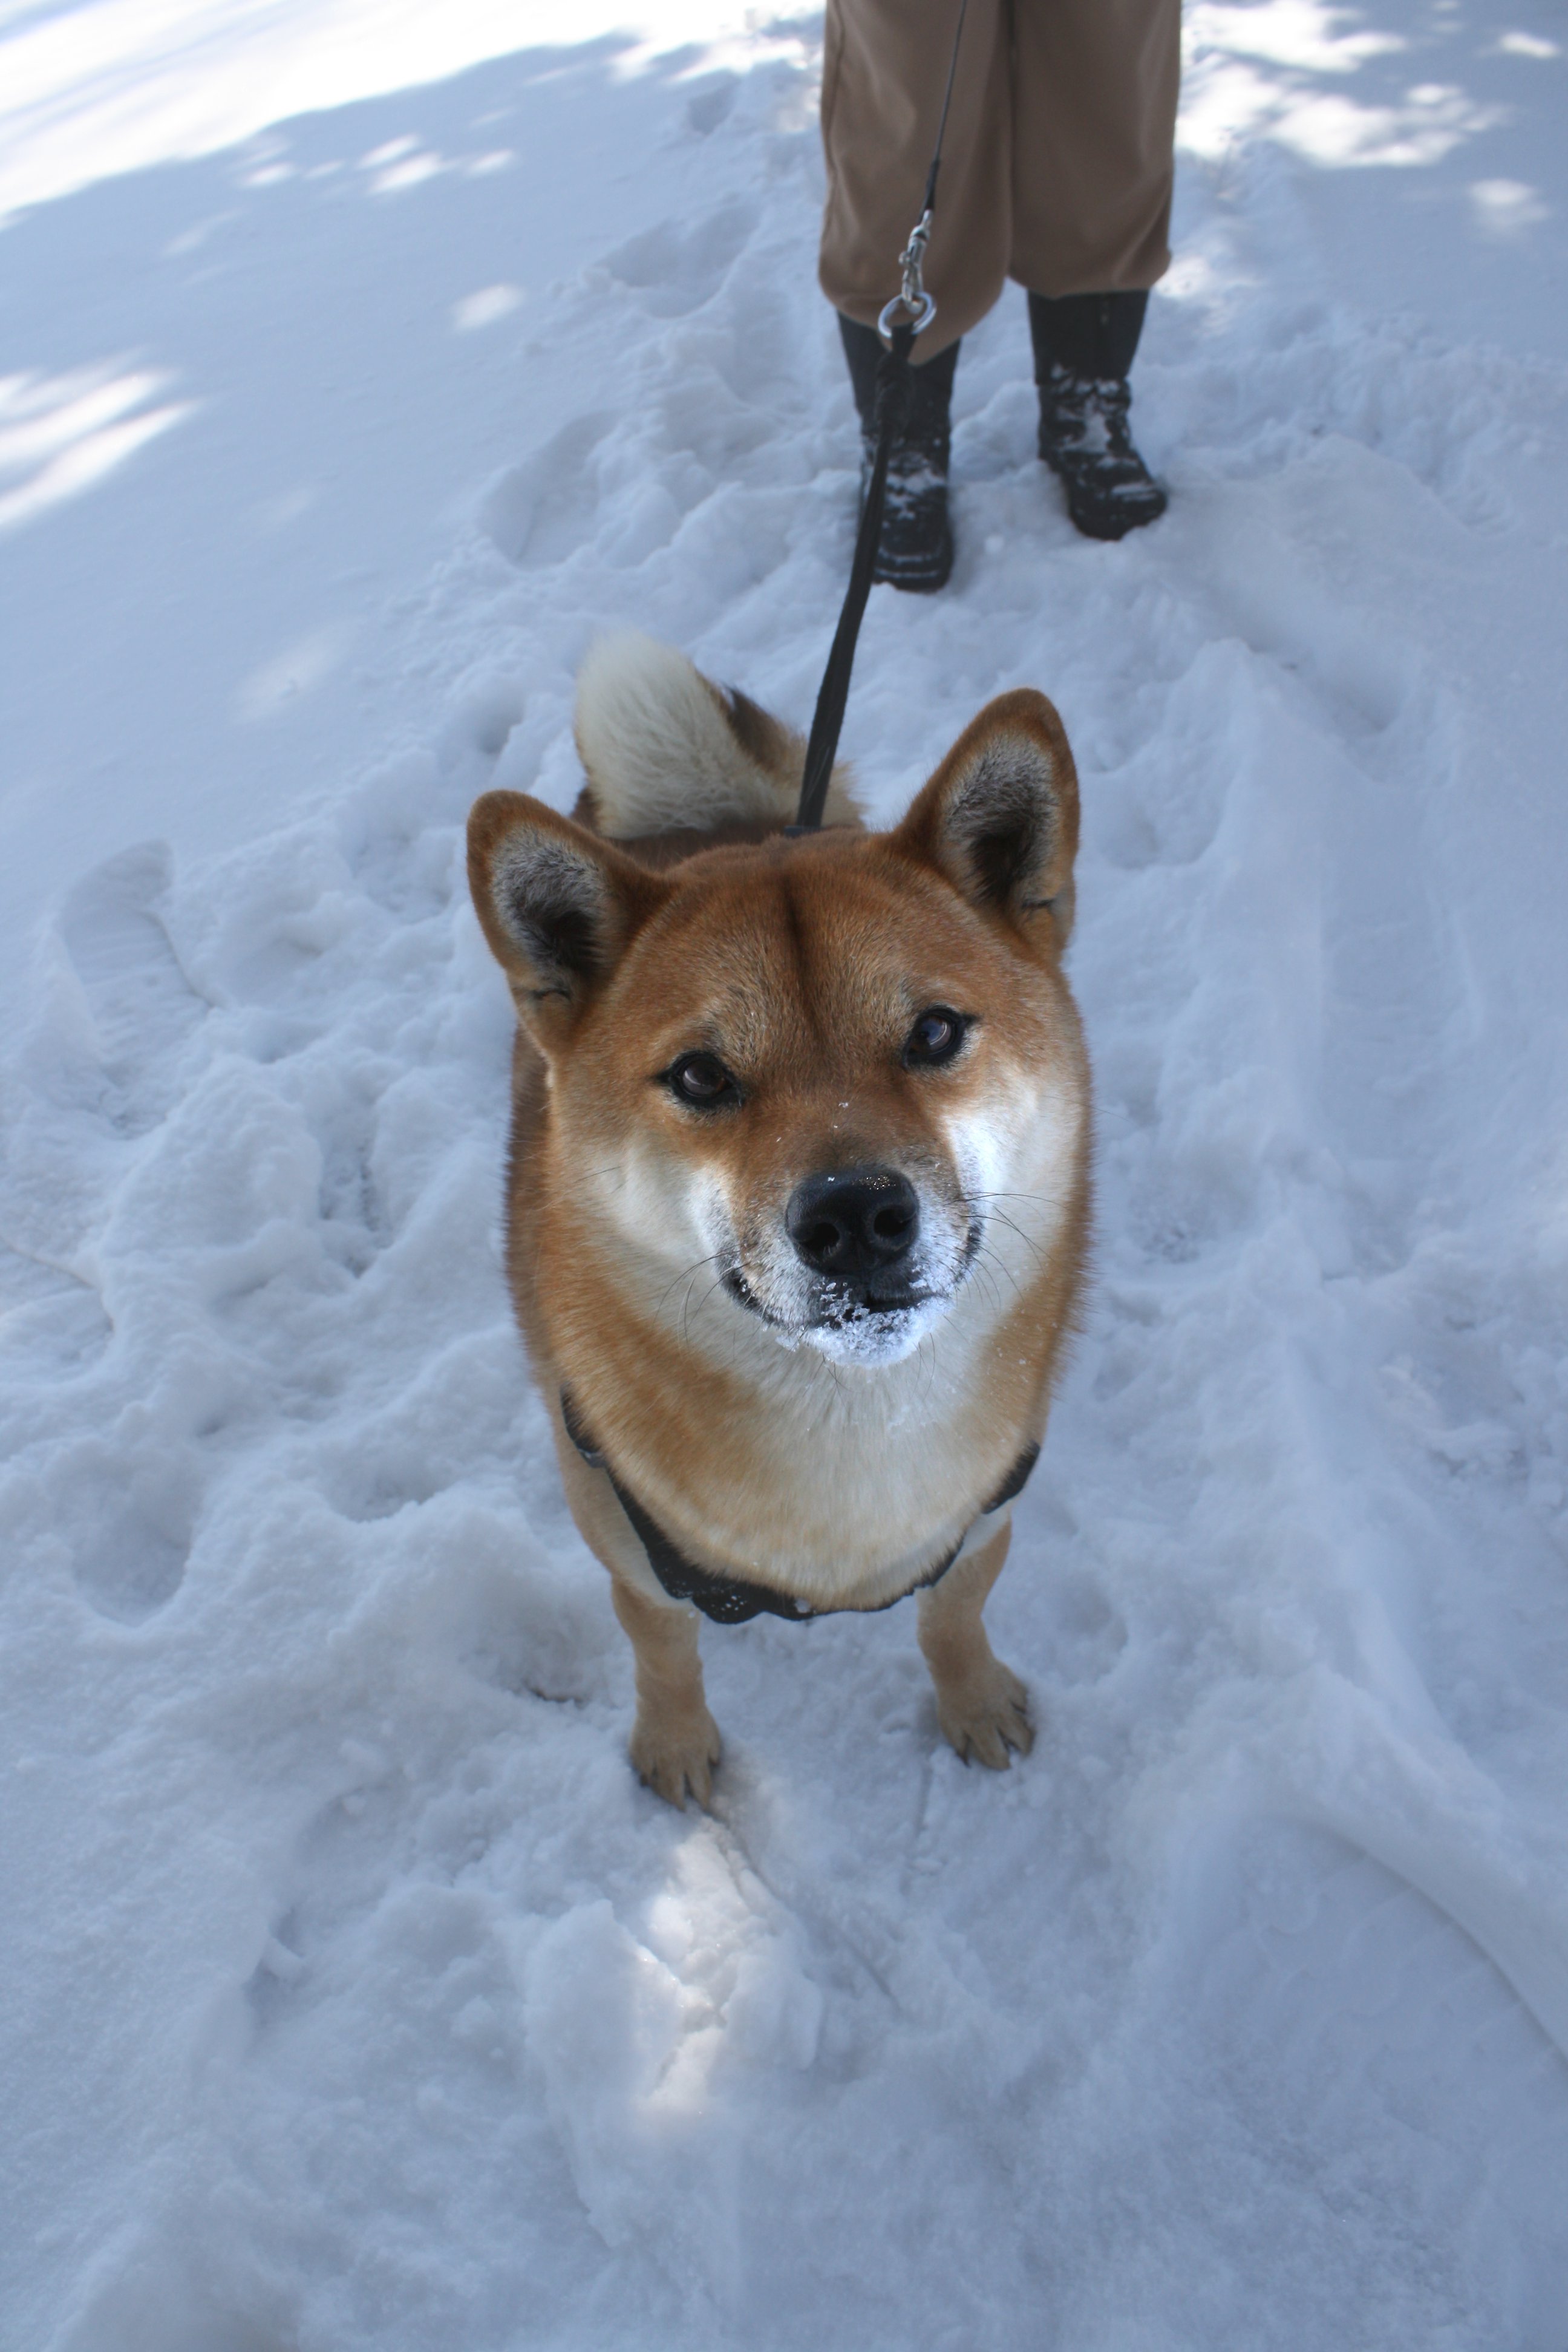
x=646 y=1249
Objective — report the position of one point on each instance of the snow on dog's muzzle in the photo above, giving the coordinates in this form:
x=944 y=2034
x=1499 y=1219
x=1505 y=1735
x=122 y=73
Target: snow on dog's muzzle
x=861 y=1265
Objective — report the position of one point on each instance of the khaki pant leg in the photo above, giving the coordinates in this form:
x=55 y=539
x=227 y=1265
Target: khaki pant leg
x=885 y=64
x=1094 y=98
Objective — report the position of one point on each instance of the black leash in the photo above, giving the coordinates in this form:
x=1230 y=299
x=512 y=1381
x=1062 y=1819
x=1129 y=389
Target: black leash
x=732 y=1599
x=891 y=408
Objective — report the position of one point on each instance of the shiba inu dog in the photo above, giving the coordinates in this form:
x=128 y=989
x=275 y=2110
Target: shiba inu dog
x=798 y=1194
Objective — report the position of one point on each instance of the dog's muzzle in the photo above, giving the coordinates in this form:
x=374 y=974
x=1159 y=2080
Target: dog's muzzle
x=860 y=1264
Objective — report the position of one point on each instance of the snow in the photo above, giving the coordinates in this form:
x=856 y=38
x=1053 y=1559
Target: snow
x=354 y=1992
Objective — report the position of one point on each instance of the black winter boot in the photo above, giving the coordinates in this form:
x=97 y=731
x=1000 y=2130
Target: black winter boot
x=1083 y=349
x=916 y=549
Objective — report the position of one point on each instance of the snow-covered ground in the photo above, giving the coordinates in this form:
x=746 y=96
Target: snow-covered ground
x=353 y=1994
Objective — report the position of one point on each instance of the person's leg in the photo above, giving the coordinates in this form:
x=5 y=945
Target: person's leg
x=885 y=67
x=884 y=70
x=1083 y=350
x=916 y=547
x=1094 y=119
x=1094 y=124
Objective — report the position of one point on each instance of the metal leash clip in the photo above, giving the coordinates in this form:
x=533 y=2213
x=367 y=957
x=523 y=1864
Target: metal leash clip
x=912 y=296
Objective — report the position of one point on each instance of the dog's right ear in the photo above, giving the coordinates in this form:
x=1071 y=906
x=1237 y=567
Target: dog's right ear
x=558 y=905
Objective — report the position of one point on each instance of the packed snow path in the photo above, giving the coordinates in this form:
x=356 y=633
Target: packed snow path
x=353 y=1994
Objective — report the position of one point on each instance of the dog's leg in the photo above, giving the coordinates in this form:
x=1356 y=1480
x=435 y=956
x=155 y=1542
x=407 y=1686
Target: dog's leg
x=675 y=1740
x=981 y=1705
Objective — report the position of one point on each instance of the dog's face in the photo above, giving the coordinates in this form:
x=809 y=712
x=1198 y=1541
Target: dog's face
x=803 y=1083
x=808 y=1084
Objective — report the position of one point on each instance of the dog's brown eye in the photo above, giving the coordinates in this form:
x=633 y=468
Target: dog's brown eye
x=701 y=1080
x=935 y=1037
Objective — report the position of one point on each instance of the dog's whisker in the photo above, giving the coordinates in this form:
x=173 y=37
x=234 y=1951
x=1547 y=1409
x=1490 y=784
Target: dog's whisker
x=928 y=1350
x=688 y=1274
x=1001 y=1266
x=1032 y=1246
x=716 y=1284
x=983 y=1275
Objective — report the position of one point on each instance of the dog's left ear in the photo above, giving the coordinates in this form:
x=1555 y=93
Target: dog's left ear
x=558 y=905
x=999 y=818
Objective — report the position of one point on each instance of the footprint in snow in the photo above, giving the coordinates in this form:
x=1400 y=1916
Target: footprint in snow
x=126 y=1516
x=141 y=1007
x=52 y=1323
x=674 y=270
x=540 y=511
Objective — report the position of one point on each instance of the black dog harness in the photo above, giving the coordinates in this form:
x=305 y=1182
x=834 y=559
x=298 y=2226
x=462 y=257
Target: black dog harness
x=732 y=1599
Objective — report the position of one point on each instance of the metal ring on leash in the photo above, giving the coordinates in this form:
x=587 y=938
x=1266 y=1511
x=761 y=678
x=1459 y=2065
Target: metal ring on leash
x=922 y=312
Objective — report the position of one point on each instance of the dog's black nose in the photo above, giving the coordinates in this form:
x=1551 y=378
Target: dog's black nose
x=854 y=1221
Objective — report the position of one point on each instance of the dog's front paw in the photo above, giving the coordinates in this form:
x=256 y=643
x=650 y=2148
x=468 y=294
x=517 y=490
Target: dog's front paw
x=673 y=1754
x=986 y=1714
